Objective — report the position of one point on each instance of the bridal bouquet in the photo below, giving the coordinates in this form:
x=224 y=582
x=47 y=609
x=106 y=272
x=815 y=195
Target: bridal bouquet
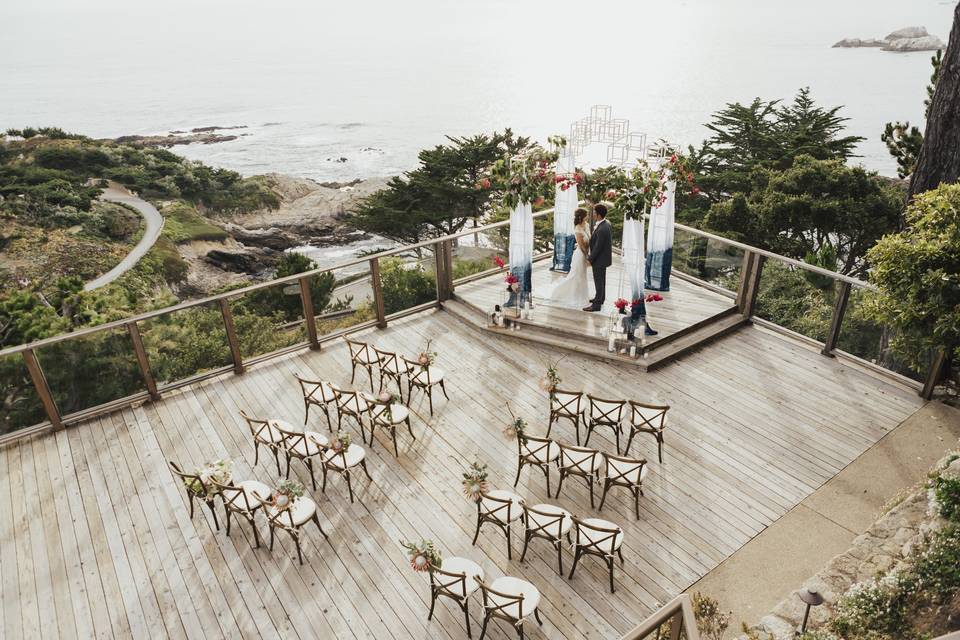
x=423 y=554
x=475 y=481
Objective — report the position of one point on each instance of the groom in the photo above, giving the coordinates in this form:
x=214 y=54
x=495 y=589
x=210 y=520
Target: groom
x=601 y=256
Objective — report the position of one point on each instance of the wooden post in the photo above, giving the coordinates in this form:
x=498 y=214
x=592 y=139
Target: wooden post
x=43 y=389
x=142 y=360
x=378 y=293
x=443 y=291
x=448 y=264
x=933 y=376
x=839 y=309
x=308 y=316
x=676 y=625
x=747 y=297
x=744 y=276
x=231 y=336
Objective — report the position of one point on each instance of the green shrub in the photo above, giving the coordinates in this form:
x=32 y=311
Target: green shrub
x=405 y=285
x=182 y=223
x=947 y=494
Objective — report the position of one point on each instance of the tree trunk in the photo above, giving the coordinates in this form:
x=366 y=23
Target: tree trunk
x=939 y=159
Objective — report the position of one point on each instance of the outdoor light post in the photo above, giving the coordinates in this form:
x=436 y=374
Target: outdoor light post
x=812 y=598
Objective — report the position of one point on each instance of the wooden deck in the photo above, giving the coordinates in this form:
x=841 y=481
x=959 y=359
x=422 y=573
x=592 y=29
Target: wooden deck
x=684 y=305
x=96 y=538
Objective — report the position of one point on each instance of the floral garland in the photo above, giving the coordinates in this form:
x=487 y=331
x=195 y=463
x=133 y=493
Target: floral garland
x=647 y=186
x=475 y=481
x=567 y=180
x=604 y=183
x=526 y=177
x=423 y=555
x=219 y=471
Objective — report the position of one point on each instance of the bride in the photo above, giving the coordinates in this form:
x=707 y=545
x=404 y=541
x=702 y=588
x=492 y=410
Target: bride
x=573 y=290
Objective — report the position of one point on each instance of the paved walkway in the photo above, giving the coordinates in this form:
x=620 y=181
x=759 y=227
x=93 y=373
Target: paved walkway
x=119 y=194
x=778 y=560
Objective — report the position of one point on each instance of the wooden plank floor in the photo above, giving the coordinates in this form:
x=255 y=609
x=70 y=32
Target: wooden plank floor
x=96 y=537
x=684 y=305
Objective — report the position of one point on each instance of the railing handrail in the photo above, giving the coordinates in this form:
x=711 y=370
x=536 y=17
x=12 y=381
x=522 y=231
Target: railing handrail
x=189 y=304
x=680 y=609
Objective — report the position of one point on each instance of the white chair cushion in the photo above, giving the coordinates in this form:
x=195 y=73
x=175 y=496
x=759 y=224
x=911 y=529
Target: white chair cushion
x=589 y=535
x=632 y=471
x=550 y=522
x=311 y=445
x=355 y=454
x=500 y=508
x=540 y=452
x=435 y=377
x=460 y=565
x=515 y=586
x=576 y=459
x=299 y=513
x=249 y=487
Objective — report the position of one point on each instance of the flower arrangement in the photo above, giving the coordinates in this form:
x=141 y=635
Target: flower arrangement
x=621 y=305
x=286 y=493
x=217 y=470
x=499 y=262
x=423 y=555
x=647 y=186
x=341 y=444
x=513 y=282
x=517 y=428
x=567 y=180
x=603 y=183
x=475 y=481
x=427 y=357
x=551 y=380
x=526 y=177
x=651 y=297
x=389 y=399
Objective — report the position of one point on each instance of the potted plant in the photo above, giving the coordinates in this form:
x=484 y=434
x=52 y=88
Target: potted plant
x=286 y=493
x=423 y=555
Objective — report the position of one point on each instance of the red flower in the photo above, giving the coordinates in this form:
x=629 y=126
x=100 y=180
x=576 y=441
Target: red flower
x=564 y=186
x=653 y=297
x=695 y=190
x=511 y=279
x=497 y=260
x=620 y=304
x=538 y=201
x=485 y=183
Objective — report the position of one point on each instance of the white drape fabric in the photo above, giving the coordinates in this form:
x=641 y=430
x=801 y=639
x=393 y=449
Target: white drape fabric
x=660 y=234
x=521 y=247
x=633 y=256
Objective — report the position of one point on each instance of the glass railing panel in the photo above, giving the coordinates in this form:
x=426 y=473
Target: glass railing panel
x=185 y=343
x=20 y=406
x=408 y=282
x=707 y=259
x=91 y=370
x=796 y=299
x=349 y=301
x=863 y=337
x=271 y=318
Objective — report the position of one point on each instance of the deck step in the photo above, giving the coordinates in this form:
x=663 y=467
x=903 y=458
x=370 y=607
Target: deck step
x=659 y=353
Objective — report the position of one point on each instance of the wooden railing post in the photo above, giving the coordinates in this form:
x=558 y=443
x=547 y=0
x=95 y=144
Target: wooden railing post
x=310 y=320
x=443 y=258
x=43 y=389
x=142 y=360
x=933 y=376
x=378 y=304
x=839 y=309
x=231 y=335
x=750 y=283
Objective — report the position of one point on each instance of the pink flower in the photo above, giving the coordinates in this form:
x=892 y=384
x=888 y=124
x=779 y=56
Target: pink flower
x=511 y=279
x=497 y=260
x=620 y=304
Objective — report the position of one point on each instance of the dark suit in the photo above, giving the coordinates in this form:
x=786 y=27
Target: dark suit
x=601 y=257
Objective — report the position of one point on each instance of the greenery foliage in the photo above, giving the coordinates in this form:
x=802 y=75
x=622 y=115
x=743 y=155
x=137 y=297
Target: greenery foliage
x=405 y=285
x=903 y=141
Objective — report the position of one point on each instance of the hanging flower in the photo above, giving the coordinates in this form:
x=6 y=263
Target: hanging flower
x=620 y=304
x=475 y=481
x=423 y=555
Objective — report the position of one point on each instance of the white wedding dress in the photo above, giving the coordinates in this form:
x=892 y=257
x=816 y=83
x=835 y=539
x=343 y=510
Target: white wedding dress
x=573 y=291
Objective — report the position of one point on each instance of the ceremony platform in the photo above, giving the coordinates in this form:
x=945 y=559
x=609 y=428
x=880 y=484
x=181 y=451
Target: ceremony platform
x=96 y=537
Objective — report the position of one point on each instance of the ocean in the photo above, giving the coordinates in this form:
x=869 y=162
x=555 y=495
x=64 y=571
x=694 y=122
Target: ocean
x=375 y=82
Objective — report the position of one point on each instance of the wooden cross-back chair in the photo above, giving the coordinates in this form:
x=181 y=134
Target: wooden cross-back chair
x=581 y=462
x=456 y=579
x=361 y=355
x=600 y=538
x=566 y=405
x=549 y=522
x=510 y=599
x=625 y=472
x=207 y=492
x=424 y=378
x=392 y=367
x=605 y=413
x=316 y=393
x=648 y=418
x=537 y=452
x=397 y=415
x=344 y=462
x=244 y=499
x=263 y=433
x=302 y=446
x=351 y=404
x=292 y=519
x=500 y=508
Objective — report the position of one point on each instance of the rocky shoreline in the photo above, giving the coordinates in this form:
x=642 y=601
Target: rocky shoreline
x=901 y=40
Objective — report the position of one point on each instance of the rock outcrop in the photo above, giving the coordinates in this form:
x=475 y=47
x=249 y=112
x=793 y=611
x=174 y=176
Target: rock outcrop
x=901 y=40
